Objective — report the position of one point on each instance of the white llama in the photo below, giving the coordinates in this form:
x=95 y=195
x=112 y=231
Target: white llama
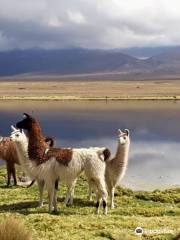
x=90 y=160
x=116 y=167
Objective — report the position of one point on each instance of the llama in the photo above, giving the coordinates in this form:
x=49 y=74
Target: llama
x=17 y=137
x=8 y=154
x=116 y=168
x=64 y=165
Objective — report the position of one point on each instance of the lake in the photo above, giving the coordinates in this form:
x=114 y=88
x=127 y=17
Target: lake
x=154 y=160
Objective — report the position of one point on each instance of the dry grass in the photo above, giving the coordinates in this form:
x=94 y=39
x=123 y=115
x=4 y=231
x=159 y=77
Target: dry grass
x=13 y=229
x=76 y=90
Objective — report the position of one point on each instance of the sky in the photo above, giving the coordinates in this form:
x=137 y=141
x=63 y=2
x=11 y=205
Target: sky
x=103 y=24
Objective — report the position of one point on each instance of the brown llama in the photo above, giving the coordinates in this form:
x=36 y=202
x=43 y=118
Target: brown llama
x=8 y=153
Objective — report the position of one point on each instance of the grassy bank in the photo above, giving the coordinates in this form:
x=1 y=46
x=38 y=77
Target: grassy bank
x=157 y=211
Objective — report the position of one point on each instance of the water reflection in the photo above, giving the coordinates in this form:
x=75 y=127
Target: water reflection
x=155 y=133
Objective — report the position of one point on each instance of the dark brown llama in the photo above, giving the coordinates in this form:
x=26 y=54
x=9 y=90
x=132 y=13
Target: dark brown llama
x=8 y=153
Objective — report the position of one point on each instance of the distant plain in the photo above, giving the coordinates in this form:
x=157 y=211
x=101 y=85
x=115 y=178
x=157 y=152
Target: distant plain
x=74 y=90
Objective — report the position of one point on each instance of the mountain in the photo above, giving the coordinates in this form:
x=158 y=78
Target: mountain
x=166 y=63
x=147 y=52
x=94 y=64
x=67 y=61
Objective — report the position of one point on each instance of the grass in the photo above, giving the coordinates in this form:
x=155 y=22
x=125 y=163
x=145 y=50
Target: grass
x=157 y=212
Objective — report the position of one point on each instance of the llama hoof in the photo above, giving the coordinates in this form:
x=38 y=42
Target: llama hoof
x=97 y=211
x=68 y=203
x=40 y=205
x=105 y=211
x=15 y=183
x=112 y=206
x=55 y=212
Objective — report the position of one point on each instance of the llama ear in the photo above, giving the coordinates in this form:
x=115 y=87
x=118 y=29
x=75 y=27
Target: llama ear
x=13 y=128
x=119 y=131
x=25 y=115
x=22 y=131
x=126 y=131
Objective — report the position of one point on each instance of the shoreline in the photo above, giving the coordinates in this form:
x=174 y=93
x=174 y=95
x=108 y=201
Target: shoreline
x=74 y=98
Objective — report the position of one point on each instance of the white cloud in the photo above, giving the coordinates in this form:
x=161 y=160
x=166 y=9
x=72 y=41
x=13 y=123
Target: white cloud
x=54 y=22
x=76 y=17
x=90 y=23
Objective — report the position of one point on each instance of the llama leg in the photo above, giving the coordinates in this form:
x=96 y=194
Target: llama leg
x=90 y=192
x=102 y=192
x=111 y=192
x=41 y=190
x=67 y=196
x=98 y=203
x=55 y=195
x=14 y=175
x=51 y=187
x=51 y=199
x=55 y=200
x=70 y=193
x=8 y=174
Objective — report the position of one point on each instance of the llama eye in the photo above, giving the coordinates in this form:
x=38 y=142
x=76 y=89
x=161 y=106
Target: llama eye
x=124 y=138
x=17 y=135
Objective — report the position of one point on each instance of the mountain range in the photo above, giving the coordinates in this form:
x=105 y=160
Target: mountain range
x=106 y=64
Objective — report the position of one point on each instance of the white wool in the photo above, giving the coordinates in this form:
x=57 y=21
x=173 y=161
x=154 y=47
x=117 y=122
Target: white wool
x=83 y=159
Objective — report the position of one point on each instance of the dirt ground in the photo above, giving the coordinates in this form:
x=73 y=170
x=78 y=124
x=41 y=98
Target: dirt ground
x=91 y=89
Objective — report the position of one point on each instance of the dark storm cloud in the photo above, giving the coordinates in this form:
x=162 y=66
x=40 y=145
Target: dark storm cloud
x=88 y=23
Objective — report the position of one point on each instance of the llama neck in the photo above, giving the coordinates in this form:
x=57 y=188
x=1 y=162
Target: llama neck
x=21 y=148
x=120 y=160
x=37 y=145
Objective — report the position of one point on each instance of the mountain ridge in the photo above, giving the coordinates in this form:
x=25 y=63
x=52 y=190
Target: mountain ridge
x=65 y=62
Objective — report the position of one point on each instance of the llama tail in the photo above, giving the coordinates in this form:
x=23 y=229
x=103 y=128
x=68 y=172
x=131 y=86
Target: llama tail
x=107 y=154
x=32 y=183
x=104 y=153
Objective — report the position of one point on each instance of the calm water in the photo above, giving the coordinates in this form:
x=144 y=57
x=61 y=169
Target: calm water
x=155 y=133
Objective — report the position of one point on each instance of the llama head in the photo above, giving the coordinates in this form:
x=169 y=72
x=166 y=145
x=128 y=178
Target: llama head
x=17 y=135
x=123 y=136
x=26 y=123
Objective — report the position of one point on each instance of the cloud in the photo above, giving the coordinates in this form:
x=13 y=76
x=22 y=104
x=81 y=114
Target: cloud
x=89 y=24
x=152 y=165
